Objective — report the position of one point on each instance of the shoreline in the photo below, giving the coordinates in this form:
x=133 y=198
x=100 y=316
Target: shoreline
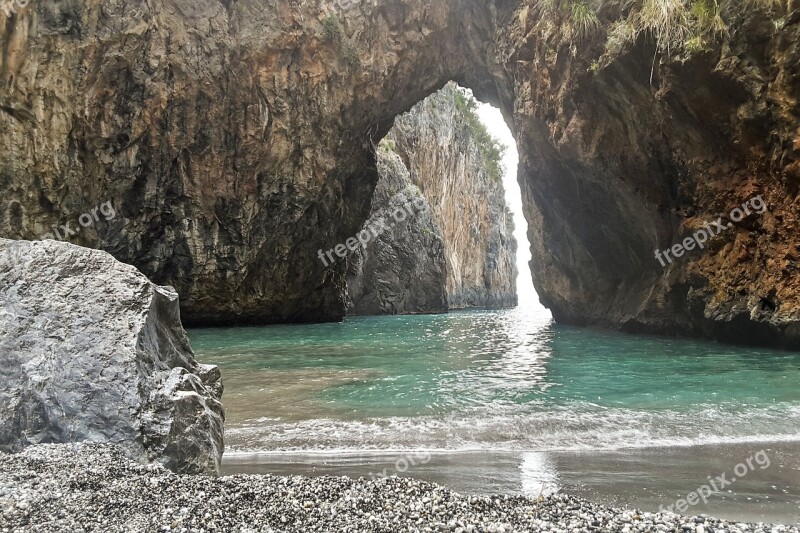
x=79 y=487
x=646 y=478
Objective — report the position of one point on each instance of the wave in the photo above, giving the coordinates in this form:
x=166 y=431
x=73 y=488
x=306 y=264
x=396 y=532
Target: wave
x=579 y=426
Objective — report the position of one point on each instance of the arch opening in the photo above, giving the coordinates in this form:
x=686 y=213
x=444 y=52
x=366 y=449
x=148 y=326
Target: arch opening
x=495 y=123
x=464 y=242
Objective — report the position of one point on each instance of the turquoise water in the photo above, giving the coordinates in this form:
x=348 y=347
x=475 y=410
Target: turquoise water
x=507 y=380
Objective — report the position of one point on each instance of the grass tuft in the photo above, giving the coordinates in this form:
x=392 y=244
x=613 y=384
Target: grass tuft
x=331 y=28
x=668 y=21
x=675 y=25
x=621 y=34
x=387 y=145
x=708 y=16
x=583 y=20
x=769 y=5
x=680 y=28
x=351 y=55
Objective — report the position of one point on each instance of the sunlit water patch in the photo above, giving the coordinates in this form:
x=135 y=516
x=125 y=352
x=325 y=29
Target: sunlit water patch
x=506 y=380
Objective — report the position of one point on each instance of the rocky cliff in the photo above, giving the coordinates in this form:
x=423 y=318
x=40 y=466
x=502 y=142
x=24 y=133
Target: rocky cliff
x=462 y=252
x=638 y=129
x=402 y=268
x=91 y=351
x=237 y=139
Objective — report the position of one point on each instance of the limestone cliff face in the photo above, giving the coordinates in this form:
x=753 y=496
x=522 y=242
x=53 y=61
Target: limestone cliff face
x=401 y=269
x=235 y=140
x=452 y=162
x=460 y=254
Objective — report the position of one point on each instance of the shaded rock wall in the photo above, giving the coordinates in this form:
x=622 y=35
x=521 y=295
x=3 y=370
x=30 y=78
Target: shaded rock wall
x=91 y=351
x=402 y=269
x=633 y=157
x=236 y=140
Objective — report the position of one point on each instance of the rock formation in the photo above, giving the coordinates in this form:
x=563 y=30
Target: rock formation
x=460 y=254
x=628 y=151
x=237 y=139
x=402 y=268
x=91 y=351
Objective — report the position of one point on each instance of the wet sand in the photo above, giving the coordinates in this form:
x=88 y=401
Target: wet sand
x=74 y=487
x=642 y=478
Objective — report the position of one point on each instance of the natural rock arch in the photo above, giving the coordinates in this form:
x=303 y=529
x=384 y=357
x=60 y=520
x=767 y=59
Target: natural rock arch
x=235 y=140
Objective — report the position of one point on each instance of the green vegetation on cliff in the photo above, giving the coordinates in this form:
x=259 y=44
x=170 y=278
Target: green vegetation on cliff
x=688 y=26
x=491 y=149
x=332 y=30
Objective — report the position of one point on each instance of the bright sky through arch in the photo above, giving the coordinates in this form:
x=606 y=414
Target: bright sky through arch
x=494 y=122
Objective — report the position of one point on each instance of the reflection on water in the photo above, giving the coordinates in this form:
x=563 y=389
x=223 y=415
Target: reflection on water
x=538 y=474
x=506 y=401
x=492 y=380
x=645 y=478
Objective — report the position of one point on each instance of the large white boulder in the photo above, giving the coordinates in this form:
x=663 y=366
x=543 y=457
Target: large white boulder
x=92 y=351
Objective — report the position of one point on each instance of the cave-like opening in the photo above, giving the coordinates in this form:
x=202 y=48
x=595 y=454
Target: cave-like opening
x=496 y=125
x=464 y=244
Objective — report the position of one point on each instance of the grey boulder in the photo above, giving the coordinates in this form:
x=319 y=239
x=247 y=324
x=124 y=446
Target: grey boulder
x=92 y=351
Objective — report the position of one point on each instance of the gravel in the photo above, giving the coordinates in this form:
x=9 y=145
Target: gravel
x=76 y=488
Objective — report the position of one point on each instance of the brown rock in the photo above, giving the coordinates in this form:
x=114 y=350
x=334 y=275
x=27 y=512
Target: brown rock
x=235 y=140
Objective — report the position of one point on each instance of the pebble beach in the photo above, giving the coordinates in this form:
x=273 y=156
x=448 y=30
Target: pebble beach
x=82 y=488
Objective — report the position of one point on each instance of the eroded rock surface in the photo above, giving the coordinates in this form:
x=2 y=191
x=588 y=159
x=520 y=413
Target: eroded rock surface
x=623 y=158
x=401 y=269
x=235 y=140
x=91 y=351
